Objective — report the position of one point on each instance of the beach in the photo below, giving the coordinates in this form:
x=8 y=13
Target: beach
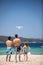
x=32 y=60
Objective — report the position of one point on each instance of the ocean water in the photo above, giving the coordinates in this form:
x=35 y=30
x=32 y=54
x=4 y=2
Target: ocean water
x=35 y=48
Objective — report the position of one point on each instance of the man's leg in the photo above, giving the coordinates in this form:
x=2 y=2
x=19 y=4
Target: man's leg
x=19 y=57
x=9 y=57
x=16 y=55
x=6 y=57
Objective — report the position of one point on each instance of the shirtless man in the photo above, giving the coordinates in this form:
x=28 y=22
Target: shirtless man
x=9 y=46
x=17 y=43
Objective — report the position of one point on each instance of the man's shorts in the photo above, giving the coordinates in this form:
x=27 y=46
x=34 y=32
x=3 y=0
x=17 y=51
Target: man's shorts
x=9 y=50
x=17 y=48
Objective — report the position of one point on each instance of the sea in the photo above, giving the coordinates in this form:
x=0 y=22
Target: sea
x=35 y=48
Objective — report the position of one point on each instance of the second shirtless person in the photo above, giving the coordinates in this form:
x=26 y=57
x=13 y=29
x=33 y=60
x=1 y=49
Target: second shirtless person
x=16 y=43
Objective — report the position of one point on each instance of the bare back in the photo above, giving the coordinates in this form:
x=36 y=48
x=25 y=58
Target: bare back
x=9 y=43
x=16 y=42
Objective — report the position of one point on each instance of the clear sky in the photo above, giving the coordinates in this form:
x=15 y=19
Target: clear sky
x=22 y=17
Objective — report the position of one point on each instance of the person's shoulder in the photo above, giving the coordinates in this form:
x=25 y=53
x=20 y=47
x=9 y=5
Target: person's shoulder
x=16 y=39
x=8 y=41
x=19 y=40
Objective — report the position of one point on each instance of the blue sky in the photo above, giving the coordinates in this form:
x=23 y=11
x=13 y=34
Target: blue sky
x=22 y=17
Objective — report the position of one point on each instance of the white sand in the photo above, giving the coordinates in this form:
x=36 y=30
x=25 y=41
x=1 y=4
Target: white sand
x=32 y=60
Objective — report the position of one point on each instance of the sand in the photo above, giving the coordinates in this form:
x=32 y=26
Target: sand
x=32 y=60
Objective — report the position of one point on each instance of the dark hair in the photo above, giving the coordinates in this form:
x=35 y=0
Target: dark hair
x=26 y=44
x=9 y=38
x=16 y=35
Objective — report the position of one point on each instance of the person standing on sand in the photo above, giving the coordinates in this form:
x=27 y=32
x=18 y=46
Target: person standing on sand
x=26 y=50
x=9 y=48
x=17 y=43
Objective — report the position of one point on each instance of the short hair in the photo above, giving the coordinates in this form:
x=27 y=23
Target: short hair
x=9 y=38
x=16 y=35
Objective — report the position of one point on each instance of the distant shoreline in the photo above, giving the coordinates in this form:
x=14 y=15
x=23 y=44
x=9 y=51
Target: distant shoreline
x=2 y=42
x=30 y=40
